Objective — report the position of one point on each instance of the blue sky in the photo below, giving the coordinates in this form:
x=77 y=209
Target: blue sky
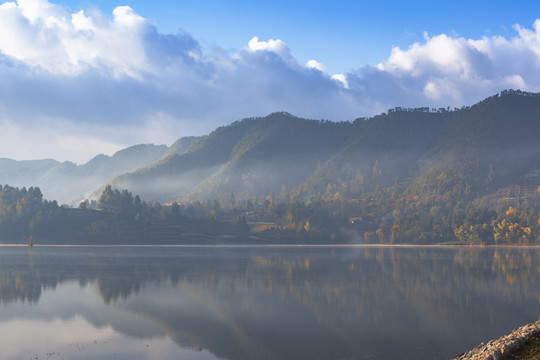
x=344 y=35
x=86 y=77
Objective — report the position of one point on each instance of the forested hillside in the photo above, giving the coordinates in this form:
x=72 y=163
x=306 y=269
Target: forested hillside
x=250 y=158
x=468 y=175
x=482 y=148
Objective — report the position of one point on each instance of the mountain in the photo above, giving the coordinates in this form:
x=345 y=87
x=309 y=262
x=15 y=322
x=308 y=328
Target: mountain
x=252 y=157
x=482 y=151
x=67 y=182
x=479 y=149
x=22 y=172
x=179 y=146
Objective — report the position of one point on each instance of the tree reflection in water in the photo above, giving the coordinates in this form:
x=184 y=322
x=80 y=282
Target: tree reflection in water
x=292 y=303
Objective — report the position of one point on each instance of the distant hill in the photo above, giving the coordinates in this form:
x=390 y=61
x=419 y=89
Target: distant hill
x=179 y=146
x=252 y=157
x=485 y=147
x=479 y=152
x=23 y=172
x=67 y=182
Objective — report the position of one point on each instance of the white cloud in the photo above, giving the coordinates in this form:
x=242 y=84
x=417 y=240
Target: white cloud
x=441 y=88
x=35 y=10
x=450 y=70
x=342 y=79
x=107 y=81
x=82 y=22
x=274 y=45
x=440 y=53
x=118 y=73
x=49 y=38
x=515 y=81
x=314 y=64
x=125 y=16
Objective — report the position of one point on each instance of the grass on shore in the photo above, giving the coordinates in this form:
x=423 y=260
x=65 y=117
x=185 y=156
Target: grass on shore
x=529 y=351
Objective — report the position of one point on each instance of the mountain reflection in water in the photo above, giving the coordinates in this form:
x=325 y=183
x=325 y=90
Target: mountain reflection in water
x=264 y=303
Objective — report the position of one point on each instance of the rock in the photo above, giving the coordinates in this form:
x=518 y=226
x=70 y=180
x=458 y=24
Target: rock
x=497 y=348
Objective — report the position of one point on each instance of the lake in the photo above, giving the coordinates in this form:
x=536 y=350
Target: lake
x=205 y=303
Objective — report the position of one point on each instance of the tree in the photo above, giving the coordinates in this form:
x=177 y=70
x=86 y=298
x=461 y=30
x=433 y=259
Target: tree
x=380 y=235
x=120 y=203
x=106 y=199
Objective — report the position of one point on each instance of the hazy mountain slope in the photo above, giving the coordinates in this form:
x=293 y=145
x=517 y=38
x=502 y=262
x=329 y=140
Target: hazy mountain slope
x=383 y=150
x=38 y=173
x=24 y=172
x=179 y=146
x=475 y=149
x=278 y=151
x=124 y=160
x=492 y=145
x=176 y=175
x=252 y=157
x=102 y=168
x=66 y=182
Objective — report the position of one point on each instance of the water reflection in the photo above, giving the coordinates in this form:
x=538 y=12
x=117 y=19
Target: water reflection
x=269 y=303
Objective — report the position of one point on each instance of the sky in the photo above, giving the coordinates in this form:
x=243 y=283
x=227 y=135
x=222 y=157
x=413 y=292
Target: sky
x=80 y=78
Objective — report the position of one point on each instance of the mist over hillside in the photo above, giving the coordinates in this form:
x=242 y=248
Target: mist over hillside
x=485 y=147
x=69 y=183
x=252 y=157
x=480 y=150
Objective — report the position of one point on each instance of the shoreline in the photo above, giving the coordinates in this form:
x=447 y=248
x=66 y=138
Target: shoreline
x=276 y=246
x=497 y=349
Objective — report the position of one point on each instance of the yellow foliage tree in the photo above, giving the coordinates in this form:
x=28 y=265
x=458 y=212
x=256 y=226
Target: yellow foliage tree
x=508 y=231
x=380 y=235
x=511 y=212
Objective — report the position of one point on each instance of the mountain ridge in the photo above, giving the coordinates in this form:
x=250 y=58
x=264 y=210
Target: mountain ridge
x=67 y=182
x=484 y=147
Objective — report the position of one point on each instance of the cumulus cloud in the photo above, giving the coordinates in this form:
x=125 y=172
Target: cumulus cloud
x=446 y=70
x=123 y=82
x=105 y=81
x=314 y=64
x=274 y=45
x=342 y=79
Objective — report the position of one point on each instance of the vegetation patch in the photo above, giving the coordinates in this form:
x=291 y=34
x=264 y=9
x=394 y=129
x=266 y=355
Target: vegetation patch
x=529 y=351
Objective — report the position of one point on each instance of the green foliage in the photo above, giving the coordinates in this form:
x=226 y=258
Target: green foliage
x=24 y=213
x=419 y=177
x=120 y=203
x=409 y=176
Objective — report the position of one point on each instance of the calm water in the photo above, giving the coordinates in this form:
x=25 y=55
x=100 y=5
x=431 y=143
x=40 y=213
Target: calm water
x=261 y=303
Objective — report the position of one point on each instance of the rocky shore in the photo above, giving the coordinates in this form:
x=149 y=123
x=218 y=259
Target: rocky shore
x=497 y=349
